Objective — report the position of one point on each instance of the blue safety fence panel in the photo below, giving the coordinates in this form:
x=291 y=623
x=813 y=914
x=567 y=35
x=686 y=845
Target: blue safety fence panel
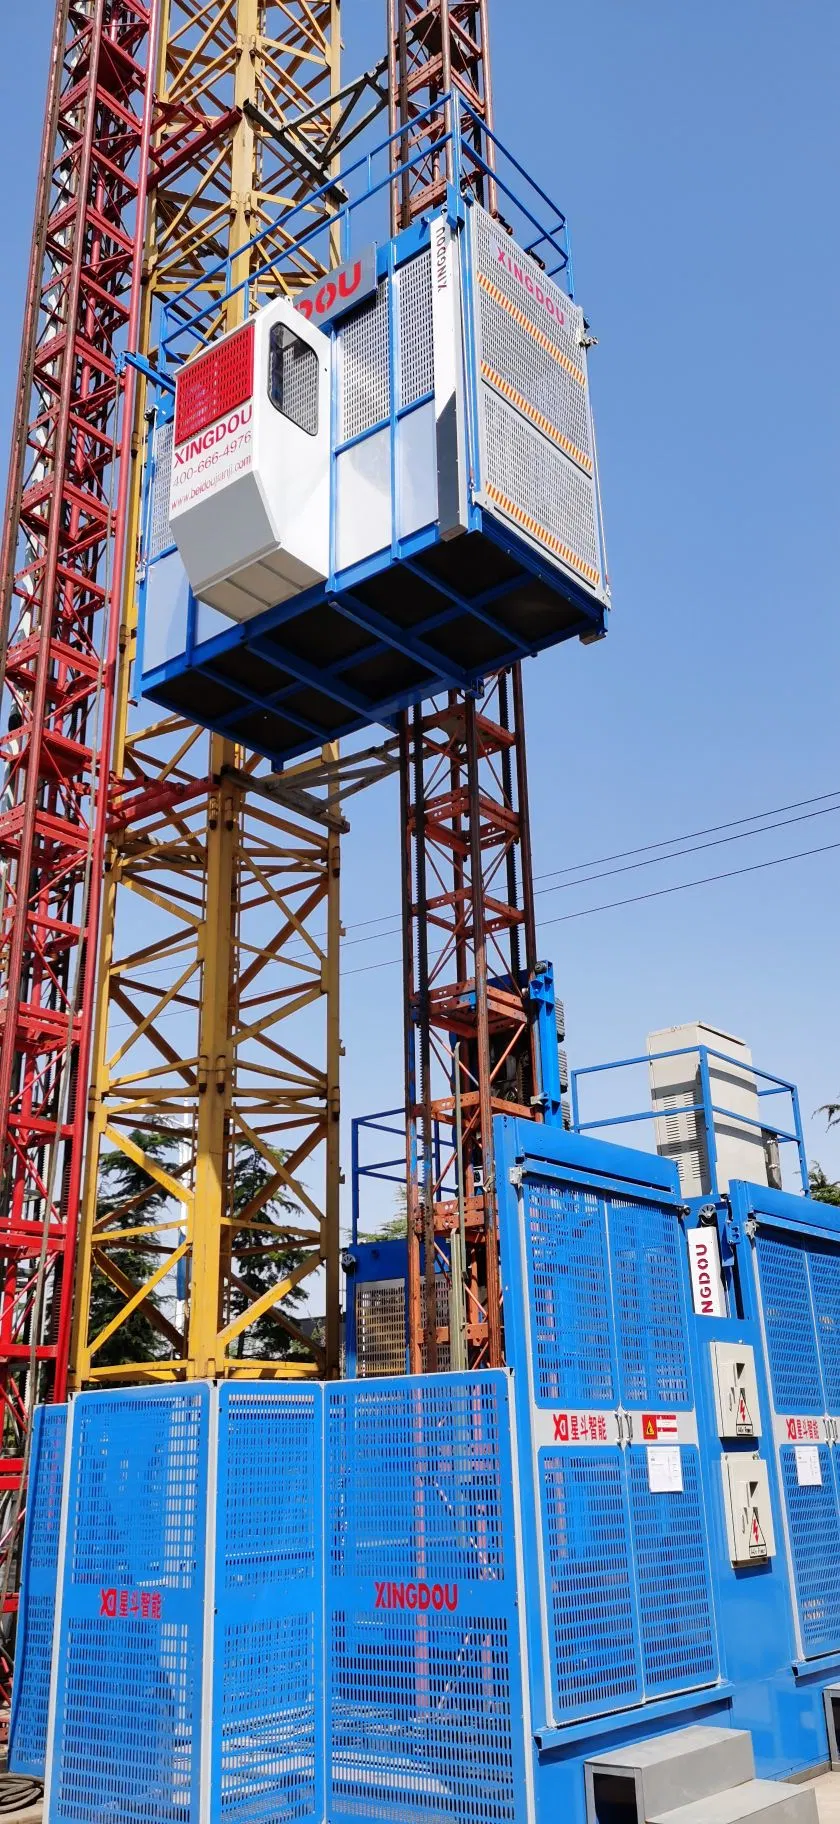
x=424 y=1683
x=673 y=1577
x=129 y=1678
x=824 y=1270
x=789 y=1325
x=268 y=1752
x=647 y=1252
x=814 y=1533
x=592 y=1618
x=570 y=1299
x=36 y=1609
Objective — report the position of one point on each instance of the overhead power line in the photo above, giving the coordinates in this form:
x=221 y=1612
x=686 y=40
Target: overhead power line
x=683 y=886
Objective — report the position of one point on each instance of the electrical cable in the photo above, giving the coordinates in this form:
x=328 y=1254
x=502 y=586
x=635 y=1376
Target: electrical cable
x=18 y=1793
x=637 y=898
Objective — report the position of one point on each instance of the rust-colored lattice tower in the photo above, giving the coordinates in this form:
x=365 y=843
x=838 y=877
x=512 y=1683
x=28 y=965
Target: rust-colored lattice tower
x=468 y=913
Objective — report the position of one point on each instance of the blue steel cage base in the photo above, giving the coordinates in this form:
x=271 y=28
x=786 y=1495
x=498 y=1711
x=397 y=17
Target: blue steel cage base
x=439 y=617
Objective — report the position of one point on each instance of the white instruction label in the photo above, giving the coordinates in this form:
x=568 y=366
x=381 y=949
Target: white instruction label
x=664 y=1470
x=808 y=1466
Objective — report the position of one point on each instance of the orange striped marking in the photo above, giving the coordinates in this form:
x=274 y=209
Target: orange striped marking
x=545 y=538
x=525 y=323
x=542 y=423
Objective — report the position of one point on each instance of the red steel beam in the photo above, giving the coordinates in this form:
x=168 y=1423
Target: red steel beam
x=468 y=903
x=61 y=578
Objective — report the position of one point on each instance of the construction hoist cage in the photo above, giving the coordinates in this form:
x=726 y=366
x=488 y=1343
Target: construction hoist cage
x=391 y=489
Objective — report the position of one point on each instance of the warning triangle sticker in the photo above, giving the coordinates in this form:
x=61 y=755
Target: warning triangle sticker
x=743 y=1420
x=758 y=1543
x=649 y=1425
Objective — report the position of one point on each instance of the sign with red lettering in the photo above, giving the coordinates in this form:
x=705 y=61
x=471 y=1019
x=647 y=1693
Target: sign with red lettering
x=134 y=1605
x=707 y=1292
x=657 y=1425
x=804 y=1431
x=416 y=1596
x=580 y=1427
x=340 y=290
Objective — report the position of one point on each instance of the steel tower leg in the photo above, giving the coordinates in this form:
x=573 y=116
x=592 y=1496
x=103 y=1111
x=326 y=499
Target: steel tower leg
x=217 y=1019
x=468 y=909
x=61 y=532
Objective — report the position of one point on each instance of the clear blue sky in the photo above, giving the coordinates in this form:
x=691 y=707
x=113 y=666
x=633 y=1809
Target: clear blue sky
x=695 y=149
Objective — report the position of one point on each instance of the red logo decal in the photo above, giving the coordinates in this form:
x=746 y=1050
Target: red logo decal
x=416 y=1596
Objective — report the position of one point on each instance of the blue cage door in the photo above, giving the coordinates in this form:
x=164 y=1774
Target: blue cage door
x=599 y=1275
x=424 y=1683
x=798 y=1285
x=130 y=1670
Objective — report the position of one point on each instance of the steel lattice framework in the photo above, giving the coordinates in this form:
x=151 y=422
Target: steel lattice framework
x=468 y=909
x=168 y=142
x=217 y=1020
x=59 y=575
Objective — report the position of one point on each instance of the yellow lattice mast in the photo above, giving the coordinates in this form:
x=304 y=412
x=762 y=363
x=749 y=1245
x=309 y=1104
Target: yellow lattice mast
x=217 y=1020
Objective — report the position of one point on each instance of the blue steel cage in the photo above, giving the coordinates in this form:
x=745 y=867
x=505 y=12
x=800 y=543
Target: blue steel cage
x=426 y=614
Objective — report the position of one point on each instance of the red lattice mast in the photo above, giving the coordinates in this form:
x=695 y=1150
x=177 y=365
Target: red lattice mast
x=468 y=906
x=60 y=588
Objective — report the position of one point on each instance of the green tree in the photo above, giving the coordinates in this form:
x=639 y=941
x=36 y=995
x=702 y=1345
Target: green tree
x=261 y=1262
x=127 y=1191
x=824 y=1189
x=130 y=1194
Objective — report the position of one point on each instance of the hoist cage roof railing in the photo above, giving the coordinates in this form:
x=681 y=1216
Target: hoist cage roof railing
x=707 y=1106
x=535 y=221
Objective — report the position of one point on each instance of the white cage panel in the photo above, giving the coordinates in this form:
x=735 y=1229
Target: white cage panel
x=364 y=367
x=532 y=484
x=417 y=358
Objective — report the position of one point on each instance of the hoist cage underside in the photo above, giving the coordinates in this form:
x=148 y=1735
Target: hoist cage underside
x=438 y=618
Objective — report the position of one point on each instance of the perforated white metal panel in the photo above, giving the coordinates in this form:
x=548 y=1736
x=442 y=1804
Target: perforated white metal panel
x=364 y=364
x=417 y=370
x=160 y=532
x=381 y=1326
x=528 y=480
x=537 y=454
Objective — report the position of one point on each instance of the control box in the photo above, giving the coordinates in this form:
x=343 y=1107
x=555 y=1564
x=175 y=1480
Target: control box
x=736 y=1390
x=746 y=1506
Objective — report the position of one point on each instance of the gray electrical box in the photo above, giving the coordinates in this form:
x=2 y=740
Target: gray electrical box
x=736 y=1390
x=746 y=1506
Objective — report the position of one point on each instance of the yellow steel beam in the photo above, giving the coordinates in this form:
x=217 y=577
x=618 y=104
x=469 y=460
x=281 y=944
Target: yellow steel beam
x=217 y=1016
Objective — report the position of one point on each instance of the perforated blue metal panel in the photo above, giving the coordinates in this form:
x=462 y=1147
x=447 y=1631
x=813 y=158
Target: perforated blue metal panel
x=36 y=1612
x=789 y=1325
x=673 y=1578
x=815 y=1550
x=128 y=1686
x=570 y=1318
x=424 y=1695
x=648 y=1271
x=593 y=1629
x=824 y=1268
x=267 y=1754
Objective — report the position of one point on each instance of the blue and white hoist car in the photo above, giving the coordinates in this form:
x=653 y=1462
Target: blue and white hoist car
x=384 y=490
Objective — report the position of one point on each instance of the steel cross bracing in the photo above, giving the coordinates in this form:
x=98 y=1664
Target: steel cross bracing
x=151 y=168
x=469 y=949
x=468 y=918
x=59 y=569
x=434 y=49
x=216 y=1038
